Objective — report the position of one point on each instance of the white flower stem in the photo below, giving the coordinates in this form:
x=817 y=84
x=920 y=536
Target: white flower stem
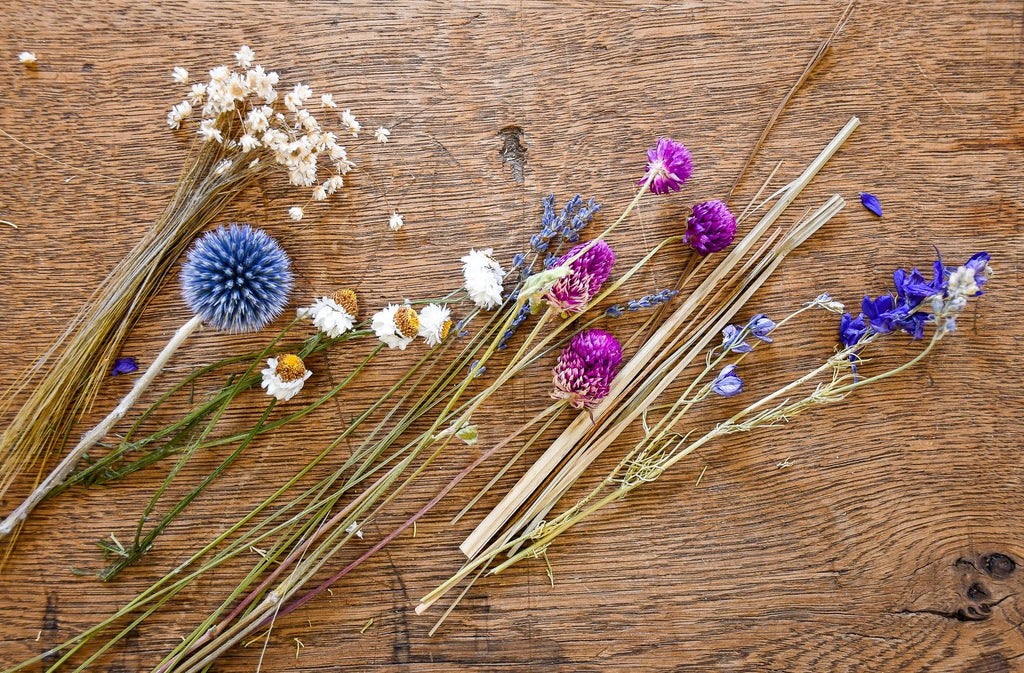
x=61 y=472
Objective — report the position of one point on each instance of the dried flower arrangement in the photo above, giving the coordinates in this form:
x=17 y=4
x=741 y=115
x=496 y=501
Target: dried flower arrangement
x=237 y=278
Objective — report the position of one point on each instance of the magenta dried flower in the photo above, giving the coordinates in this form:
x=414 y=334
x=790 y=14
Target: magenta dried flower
x=588 y=273
x=710 y=228
x=671 y=165
x=586 y=367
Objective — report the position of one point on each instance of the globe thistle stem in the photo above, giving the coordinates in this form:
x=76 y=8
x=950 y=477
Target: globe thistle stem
x=61 y=472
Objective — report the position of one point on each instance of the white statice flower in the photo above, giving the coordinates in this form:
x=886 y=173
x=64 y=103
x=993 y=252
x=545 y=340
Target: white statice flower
x=382 y=134
x=297 y=97
x=435 y=323
x=262 y=83
x=257 y=120
x=327 y=101
x=396 y=325
x=334 y=183
x=248 y=142
x=305 y=120
x=219 y=74
x=339 y=156
x=483 y=275
x=27 y=58
x=284 y=377
x=349 y=120
x=178 y=114
x=208 y=131
x=245 y=56
x=295 y=213
x=395 y=221
x=319 y=193
x=329 y=316
x=179 y=75
x=198 y=93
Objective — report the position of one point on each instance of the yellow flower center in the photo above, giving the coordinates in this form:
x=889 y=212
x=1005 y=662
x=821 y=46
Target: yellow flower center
x=290 y=368
x=445 y=328
x=407 y=322
x=347 y=300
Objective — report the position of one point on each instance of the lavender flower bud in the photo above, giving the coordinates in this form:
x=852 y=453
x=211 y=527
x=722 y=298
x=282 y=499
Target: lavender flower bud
x=710 y=228
x=586 y=367
x=588 y=272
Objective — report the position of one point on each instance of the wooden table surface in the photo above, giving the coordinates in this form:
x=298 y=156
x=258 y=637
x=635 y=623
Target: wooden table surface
x=883 y=533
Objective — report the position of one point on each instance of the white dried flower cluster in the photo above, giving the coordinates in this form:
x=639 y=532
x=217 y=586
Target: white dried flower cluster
x=382 y=134
x=435 y=323
x=397 y=325
x=284 y=377
x=328 y=316
x=27 y=58
x=483 y=275
x=395 y=221
x=278 y=125
x=386 y=328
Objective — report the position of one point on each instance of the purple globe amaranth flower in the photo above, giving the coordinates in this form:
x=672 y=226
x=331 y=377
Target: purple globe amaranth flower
x=710 y=228
x=585 y=369
x=727 y=383
x=588 y=272
x=670 y=164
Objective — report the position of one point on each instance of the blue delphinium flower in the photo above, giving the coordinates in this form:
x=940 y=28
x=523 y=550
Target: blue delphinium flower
x=237 y=278
x=761 y=326
x=852 y=330
x=727 y=383
x=732 y=340
x=947 y=292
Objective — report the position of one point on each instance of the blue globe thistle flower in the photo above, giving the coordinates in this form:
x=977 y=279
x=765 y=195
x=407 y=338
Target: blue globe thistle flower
x=237 y=278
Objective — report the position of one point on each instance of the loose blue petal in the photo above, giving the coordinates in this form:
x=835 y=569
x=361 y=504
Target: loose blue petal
x=124 y=366
x=870 y=202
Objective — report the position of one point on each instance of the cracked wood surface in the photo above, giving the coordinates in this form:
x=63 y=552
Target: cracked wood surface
x=882 y=533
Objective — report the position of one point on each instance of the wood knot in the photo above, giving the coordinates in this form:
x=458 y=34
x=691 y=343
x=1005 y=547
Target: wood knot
x=999 y=566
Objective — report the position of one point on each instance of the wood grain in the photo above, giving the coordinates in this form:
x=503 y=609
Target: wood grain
x=891 y=541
